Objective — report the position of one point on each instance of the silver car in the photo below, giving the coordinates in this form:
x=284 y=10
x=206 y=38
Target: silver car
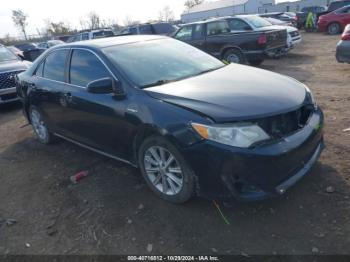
x=343 y=47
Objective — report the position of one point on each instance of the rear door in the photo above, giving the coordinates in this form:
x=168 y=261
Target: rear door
x=49 y=82
x=96 y=120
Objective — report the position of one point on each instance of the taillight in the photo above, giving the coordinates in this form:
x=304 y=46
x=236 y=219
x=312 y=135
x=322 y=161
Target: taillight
x=262 y=40
x=346 y=35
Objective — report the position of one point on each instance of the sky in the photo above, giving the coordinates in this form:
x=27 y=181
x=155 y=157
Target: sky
x=72 y=11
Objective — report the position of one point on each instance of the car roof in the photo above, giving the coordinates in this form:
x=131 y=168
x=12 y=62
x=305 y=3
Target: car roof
x=219 y=19
x=112 y=41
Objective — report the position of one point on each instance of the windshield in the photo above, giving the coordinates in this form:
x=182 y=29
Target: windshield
x=160 y=61
x=6 y=55
x=257 y=21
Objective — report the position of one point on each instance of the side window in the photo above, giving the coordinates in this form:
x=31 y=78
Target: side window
x=85 y=36
x=86 y=67
x=198 y=31
x=238 y=25
x=39 y=70
x=217 y=28
x=55 y=65
x=185 y=33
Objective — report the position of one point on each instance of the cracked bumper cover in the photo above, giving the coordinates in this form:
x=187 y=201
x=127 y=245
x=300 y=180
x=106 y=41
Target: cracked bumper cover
x=257 y=173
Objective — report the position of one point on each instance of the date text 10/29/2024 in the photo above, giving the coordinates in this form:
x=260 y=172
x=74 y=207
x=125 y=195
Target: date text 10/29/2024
x=173 y=258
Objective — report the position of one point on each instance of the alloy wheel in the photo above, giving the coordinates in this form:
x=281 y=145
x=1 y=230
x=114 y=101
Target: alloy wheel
x=163 y=170
x=38 y=125
x=233 y=58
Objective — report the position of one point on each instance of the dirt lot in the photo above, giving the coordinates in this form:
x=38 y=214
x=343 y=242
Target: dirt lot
x=112 y=211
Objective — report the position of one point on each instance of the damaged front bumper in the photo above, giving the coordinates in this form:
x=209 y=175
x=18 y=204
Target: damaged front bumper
x=260 y=172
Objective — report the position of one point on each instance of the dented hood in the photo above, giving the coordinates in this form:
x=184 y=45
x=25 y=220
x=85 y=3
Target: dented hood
x=234 y=92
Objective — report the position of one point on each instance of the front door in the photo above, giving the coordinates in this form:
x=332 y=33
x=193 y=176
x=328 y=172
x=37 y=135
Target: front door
x=96 y=120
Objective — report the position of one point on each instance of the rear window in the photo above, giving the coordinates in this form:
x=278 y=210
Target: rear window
x=163 y=29
x=103 y=33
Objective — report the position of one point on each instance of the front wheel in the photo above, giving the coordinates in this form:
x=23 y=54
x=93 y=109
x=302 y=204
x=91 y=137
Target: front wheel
x=165 y=170
x=40 y=129
x=333 y=29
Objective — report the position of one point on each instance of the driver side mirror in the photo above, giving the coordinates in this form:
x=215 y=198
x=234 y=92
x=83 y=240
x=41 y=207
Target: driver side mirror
x=105 y=85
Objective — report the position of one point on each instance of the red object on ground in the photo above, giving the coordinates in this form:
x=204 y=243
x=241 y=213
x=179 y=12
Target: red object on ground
x=78 y=176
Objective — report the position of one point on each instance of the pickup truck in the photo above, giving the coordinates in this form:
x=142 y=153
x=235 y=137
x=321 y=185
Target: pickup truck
x=232 y=39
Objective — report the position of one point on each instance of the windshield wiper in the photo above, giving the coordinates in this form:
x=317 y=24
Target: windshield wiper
x=158 y=83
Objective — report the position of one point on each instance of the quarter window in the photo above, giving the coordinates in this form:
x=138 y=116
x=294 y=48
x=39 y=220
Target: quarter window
x=86 y=67
x=217 y=28
x=55 y=65
x=238 y=25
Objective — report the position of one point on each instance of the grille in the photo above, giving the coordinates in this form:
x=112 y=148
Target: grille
x=7 y=79
x=282 y=125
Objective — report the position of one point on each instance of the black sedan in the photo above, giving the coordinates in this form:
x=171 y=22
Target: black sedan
x=192 y=124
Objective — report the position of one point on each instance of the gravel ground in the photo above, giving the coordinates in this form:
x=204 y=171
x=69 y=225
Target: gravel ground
x=112 y=211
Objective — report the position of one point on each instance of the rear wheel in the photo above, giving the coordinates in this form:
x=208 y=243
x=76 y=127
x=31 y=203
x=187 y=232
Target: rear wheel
x=256 y=62
x=165 y=170
x=40 y=129
x=234 y=56
x=333 y=29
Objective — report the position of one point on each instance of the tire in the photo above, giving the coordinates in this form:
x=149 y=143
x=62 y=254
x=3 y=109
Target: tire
x=256 y=62
x=234 y=56
x=333 y=29
x=40 y=128
x=161 y=180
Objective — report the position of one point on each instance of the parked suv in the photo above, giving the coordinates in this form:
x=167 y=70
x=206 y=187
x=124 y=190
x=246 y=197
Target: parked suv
x=10 y=66
x=334 y=22
x=91 y=34
x=233 y=39
x=150 y=29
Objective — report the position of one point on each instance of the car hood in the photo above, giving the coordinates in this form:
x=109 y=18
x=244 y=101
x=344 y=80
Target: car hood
x=233 y=93
x=14 y=65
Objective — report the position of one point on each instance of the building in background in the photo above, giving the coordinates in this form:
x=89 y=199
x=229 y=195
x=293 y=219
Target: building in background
x=223 y=8
x=209 y=9
x=294 y=6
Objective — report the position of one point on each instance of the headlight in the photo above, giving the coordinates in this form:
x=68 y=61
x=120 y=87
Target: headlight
x=310 y=95
x=239 y=135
